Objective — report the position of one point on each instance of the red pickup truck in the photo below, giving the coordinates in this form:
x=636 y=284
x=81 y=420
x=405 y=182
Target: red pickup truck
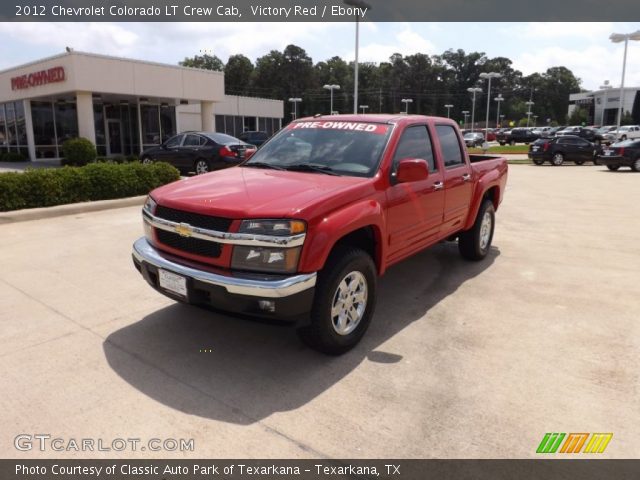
x=302 y=229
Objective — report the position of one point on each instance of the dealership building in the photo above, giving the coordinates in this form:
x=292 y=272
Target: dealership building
x=602 y=105
x=122 y=105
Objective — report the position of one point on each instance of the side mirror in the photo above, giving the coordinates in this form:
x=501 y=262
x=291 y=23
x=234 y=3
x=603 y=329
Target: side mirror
x=412 y=170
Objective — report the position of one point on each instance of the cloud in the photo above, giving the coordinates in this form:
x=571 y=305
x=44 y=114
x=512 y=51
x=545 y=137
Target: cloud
x=550 y=31
x=405 y=40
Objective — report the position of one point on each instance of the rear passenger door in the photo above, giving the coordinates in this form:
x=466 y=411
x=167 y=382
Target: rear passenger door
x=457 y=179
x=414 y=209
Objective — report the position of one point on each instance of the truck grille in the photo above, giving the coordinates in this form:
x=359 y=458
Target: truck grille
x=191 y=245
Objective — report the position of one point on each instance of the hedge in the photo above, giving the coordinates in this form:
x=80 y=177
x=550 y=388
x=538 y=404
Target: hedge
x=97 y=181
x=78 y=152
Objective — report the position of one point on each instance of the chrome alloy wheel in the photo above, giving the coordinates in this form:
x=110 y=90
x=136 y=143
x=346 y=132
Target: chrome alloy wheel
x=349 y=303
x=485 y=230
x=202 y=167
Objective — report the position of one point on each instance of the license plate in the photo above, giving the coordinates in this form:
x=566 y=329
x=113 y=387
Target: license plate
x=535 y=149
x=172 y=282
x=608 y=152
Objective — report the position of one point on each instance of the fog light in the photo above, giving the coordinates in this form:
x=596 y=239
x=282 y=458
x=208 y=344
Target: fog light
x=267 y=305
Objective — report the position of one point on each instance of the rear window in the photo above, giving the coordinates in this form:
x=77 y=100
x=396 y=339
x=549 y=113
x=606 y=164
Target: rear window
x=347 y=148
x=222 y=139
x=450 y=146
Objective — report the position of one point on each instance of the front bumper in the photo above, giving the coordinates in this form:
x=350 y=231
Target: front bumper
x=615 y=160
x=265 y=295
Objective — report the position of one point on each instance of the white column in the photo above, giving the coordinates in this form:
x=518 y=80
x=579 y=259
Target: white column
x=86 y=123
x=28 y=123
x=206 y=114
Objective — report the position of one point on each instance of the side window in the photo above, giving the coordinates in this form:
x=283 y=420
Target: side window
x=415 y=143
x=563 y=141
x=192 y=141
x=175 y=141
x=450 y=145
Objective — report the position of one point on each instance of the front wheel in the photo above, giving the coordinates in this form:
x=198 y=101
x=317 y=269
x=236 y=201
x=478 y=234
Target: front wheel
x=474 y=244
x=344 y=302
x=623 y=138
x=201 y=166
x=558 y=159
x=613 y=168
x=147 y=161
x=512 y=142
x=635 y=166
x=579 y=162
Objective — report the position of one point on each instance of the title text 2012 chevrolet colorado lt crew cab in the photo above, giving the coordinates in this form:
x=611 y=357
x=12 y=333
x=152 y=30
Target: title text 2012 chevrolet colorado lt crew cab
x=303 y=229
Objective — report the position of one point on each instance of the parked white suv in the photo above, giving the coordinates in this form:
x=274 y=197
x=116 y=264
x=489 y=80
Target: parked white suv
x=627 y=132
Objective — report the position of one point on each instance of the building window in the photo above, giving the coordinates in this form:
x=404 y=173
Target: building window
x=220 y=127
x=4 y=144
x=167 y=121
x=12 y=138
x=44 y=130
x=66 y=121
x=150 y=119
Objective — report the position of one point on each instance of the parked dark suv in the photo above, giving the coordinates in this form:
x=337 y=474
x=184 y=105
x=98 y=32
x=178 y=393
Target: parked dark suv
x=254 y=137
x=583 y=132
x=517 y=135
x=557 y=150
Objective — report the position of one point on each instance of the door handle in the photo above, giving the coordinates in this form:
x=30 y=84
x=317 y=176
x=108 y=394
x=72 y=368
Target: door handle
x=438 y=186
x=466 y=177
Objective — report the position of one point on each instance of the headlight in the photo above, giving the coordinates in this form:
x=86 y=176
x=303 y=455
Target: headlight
x=265 y=259
x=278 y=228
x=150 y=205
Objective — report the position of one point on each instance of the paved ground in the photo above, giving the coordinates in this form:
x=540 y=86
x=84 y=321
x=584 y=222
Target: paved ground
x=462 y=360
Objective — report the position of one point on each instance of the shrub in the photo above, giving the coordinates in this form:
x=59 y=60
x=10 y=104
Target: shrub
x=97 y=181
x=12 y=157
x=78 y=152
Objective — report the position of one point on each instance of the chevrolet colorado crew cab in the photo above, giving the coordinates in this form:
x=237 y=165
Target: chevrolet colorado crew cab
x=302 y=229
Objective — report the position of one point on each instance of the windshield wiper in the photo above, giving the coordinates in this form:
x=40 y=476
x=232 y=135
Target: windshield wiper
x=263 y=165
x=312 y=167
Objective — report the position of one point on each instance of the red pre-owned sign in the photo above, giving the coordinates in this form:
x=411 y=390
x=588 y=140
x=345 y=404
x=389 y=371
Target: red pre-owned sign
x=35 y=79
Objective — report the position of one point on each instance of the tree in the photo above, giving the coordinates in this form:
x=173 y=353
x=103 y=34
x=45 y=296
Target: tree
x=237 y=75
x=579 y=116
x=205 y=62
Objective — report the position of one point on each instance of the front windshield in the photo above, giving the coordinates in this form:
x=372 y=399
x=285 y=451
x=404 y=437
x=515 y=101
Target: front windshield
x=343 y=148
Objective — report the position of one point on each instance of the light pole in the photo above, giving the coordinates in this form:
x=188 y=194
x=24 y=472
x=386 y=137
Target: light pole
x=448 y=106
x=361 y=4
x=529 y=112
x=535 y=120
x=618 y=38
x=501 y=119
x=466 y=115
x=295 y=102
x=364 y=108
x=499 y=99
x=473 y=90
x=606 y=87
x=488 y=77
x=331 y=88
x=406 y=102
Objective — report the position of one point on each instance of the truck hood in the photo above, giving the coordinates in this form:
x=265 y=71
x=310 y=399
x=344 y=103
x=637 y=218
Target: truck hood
x=241 y=192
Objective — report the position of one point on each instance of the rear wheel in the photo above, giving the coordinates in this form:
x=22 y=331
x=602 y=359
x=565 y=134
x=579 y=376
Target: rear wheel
x=613 y=168
x=558 y=159
x=623 y=138
x=635 y=166
x=512 y=142
x=146 y=160
x=344 y=302
x=579 y=162
x=502 y=144
x=202 y=166
x=474 y=244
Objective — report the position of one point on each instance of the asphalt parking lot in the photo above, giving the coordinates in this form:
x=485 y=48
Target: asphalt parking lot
x=462 y=359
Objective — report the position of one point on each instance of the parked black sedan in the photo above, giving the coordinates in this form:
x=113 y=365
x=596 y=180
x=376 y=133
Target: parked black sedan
x=254 y=137
x=622 y=154
x=200 y=152
x=557 y=150
x=517 y=135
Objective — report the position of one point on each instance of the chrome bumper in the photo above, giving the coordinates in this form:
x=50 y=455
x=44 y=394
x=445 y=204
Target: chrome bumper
x=279 y=287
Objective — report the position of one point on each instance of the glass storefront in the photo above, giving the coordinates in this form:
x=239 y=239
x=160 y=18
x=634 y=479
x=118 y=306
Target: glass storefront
x=44 y=130
x=235 y=124
x=13 y=128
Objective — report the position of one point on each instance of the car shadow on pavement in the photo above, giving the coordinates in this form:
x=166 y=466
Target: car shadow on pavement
x=240 y=371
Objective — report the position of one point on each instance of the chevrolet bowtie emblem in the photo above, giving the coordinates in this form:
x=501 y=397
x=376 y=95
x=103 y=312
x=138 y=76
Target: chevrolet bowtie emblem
x=184 y=230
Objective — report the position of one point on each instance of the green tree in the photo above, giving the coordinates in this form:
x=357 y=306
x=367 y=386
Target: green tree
x=205 y=62
x=578 y=116
x=237 y=75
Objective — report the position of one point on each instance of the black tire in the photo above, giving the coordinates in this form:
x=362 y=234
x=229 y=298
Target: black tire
x=473 y=244
x=623 y=138
x=635 y=166
x=538 y=161
x=502 y=144
x=598 y=142
x=146 y=160
x=512 y=142
x=201 y=166
x=596 y=161
x=613 y=168
x=323 y=333
x=557 y=159
x=579 y=162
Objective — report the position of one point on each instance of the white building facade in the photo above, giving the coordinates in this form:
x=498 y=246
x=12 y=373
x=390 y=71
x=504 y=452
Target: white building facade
x=603 y=105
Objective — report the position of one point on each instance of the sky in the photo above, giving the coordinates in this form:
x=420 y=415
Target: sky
x=584 y=48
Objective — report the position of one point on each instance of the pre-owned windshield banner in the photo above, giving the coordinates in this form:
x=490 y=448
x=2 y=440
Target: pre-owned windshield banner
x=319 y=11
x=376 y=128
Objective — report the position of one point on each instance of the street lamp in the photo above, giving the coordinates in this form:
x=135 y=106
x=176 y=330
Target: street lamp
x=535 y=120
x=473 y=90
x=466 y=115
x=360 y=4
x=529 y=113
x=448 y=106
x=295 y=102
x=606 y=87
x=488 y=76
x=501 y=119
x=331 y=88
x=619 y=38
x=499 y=99
x=364 y=108
x=406 y=102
